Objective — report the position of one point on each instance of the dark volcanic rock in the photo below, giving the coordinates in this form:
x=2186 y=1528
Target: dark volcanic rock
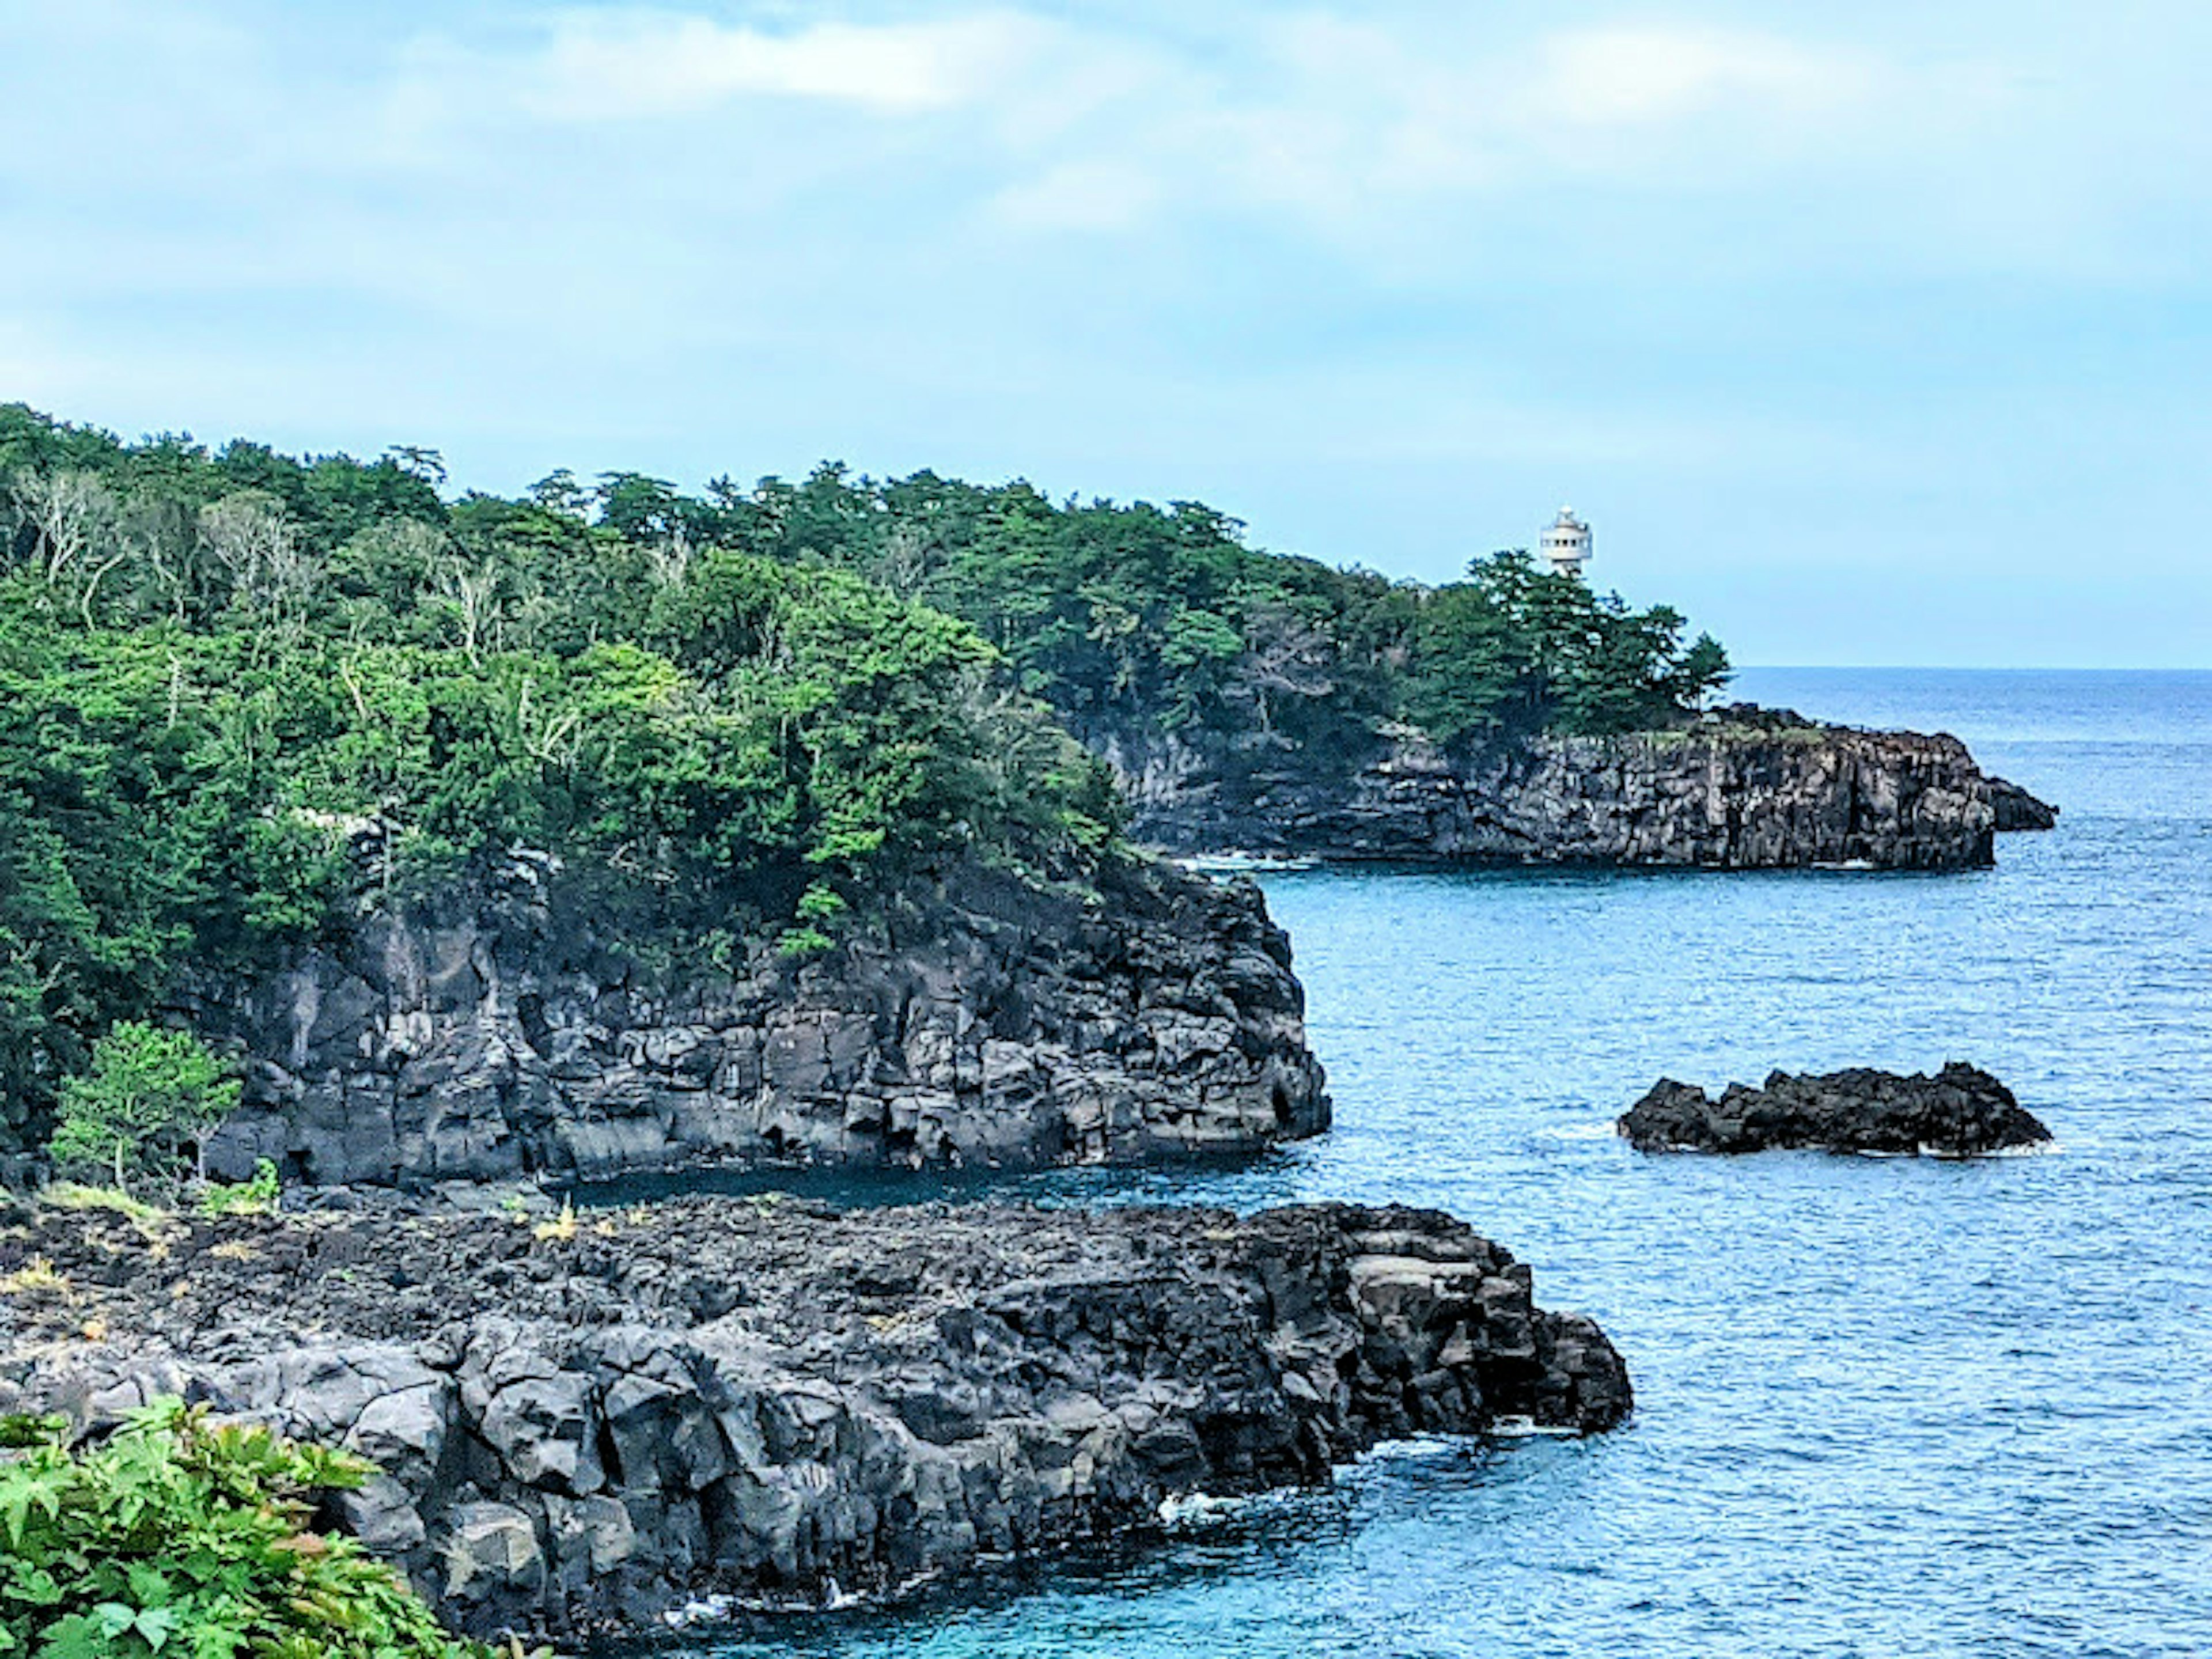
x=1960 y=1112
x=584 y=1426
x=2018 y=809
x=506 y=1027
x=1744 y=788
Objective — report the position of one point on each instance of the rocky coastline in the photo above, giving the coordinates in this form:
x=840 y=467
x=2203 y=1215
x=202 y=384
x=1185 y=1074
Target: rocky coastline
x=1960 y=1112
x=590 y=1422
x=503 y=1027
x=1740 y=788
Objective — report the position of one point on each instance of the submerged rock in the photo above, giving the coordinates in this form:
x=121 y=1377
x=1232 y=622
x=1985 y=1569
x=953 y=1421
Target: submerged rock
x=1743 y=788
x=512 y=1025
x=1960 y=1112
x=586 y=1426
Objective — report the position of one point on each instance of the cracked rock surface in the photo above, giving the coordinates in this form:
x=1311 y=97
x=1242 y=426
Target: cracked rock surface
x=506 y=1026
x=584 y=1427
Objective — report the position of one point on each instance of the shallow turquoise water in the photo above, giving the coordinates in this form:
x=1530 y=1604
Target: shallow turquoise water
x=1885 y=1407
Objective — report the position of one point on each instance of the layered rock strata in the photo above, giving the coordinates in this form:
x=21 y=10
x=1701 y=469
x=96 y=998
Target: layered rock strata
x=506 y=1026
x=1960 y=1112
x=1743 y=789
x=586 y=1426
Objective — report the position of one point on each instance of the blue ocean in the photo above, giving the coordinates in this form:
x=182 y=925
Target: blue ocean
x=1886 y=1407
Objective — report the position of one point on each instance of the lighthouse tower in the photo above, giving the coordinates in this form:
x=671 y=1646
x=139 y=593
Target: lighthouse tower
x=1567 y=543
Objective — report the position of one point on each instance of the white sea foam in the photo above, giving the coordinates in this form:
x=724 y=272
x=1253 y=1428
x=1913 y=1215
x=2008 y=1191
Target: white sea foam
x=1602 y=1128
x=1197 y=1508
x=1413 y=1447
x=1527 y=1428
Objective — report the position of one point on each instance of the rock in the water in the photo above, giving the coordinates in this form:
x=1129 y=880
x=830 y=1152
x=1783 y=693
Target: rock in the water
x=585 y=1425
x=506 y=1028
x=2018 y=809
x=1743 y=788
x=1960 y=1112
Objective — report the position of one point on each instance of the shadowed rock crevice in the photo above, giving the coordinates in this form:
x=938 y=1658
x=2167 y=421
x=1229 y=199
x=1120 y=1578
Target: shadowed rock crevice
x=574 y=1440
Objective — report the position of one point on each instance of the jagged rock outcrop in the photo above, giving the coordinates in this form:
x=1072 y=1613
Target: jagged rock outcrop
x=587 y=1427
x=2017 y=810
x=506 y=1026
x=1744 y=788
x=1960 y=1112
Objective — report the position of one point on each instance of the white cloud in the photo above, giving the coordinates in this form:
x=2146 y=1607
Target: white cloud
x=601 y=63
x=1081 y=196
x=1648 y=74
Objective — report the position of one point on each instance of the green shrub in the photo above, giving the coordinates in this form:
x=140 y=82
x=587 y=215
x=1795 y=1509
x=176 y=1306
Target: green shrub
x=181 y=1536
x=804 y=943
x=148 y=1096
x=255 y=1197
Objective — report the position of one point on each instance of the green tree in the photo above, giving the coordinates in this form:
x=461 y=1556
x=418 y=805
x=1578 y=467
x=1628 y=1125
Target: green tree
x=148 y=1096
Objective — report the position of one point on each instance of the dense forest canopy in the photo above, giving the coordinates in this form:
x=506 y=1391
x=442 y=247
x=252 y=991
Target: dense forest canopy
x=218 y=668
x=1135 y=617
x=217 y=671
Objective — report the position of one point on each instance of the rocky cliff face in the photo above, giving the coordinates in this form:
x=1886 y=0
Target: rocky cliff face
x=586 y=1427
x=506 y=1027
x=1745 y=789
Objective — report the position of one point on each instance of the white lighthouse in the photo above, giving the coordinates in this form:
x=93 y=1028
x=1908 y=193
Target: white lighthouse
x=1567 y=543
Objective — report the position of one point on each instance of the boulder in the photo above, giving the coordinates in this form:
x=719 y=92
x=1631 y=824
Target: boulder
x=1960 y=1112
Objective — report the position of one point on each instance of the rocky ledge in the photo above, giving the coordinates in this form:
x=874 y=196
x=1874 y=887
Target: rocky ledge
x=2017 y=810
x=1960 y=1112
x=1743 y=788
x=588 y=1424
x=507 y=1026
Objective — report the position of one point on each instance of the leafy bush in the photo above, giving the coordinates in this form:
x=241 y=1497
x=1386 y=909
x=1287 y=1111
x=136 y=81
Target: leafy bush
x=181 y=1536
x=148 y=1096
x=255 y=1197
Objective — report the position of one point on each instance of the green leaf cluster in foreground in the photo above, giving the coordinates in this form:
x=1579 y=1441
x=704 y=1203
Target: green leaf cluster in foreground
x=178 y=1536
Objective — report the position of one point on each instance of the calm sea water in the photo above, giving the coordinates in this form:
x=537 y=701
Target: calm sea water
x=1885 y=1407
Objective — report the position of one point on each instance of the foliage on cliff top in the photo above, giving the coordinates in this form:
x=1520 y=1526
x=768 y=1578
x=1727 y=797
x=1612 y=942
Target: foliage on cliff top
x=178 y=1536
x=229 y=679
x=1137 y=619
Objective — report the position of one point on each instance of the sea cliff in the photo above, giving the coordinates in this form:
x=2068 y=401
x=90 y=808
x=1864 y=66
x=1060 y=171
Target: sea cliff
x=506 y=1025
x=1740 y=789
x=587 y=1422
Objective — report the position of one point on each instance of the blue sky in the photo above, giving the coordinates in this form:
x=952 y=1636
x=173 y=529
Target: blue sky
x=1867 y=334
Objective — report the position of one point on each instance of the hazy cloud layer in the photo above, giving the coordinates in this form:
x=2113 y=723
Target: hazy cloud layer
x=1860 y=332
